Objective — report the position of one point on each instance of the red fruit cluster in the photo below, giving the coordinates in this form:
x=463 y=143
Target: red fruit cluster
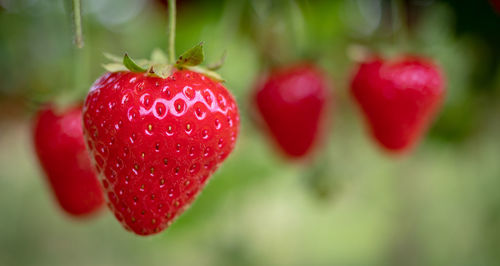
x=155 y=142
x=61 y=151
x=399 y=98
x=292 y=102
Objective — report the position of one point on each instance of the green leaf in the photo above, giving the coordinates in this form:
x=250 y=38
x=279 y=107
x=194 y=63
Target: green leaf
x=162 y=70
x=207 y=73
x=114 y=67
x=113 y=58
x=218 y=64
x=131 y=65
x=191 y=57
x=144 y=63
x=158 y=57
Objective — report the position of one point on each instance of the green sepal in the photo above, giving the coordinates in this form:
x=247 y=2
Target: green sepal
x=206 y=72
x=159 y=66
x=191 y=57
x=158 y=57
x=114 y=67
x=161 y=70
x=131 y=65
x=113 y=58
x=218 y=64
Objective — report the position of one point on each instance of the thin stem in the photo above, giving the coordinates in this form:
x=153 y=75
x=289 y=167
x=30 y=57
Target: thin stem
x=297 y=25
x=401 y=16
x=77 y=23
x=171 y=31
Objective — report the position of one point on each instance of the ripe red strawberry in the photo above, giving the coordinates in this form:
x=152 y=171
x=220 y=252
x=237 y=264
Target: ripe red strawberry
x=292 y=101
x=155 y=141
x=399 y=98
x=61 y=150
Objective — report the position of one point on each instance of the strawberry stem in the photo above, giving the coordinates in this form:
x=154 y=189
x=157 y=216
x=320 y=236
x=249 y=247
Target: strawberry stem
x=400 y=16
x=171 y=31
x=77 y=23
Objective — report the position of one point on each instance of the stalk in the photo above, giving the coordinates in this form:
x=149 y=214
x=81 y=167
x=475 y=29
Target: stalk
x=171 y=31
x=77 y=23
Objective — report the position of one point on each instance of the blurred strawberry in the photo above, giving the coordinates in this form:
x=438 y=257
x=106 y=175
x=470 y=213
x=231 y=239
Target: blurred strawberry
x=61 y=150
x=292 y=102
x=399 y=98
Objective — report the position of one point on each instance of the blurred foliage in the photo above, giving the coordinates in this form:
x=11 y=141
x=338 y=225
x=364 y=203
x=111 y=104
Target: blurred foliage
x=354 y=205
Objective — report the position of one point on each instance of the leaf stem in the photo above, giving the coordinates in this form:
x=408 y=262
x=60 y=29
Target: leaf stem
x=77 y=23
x=171 y=31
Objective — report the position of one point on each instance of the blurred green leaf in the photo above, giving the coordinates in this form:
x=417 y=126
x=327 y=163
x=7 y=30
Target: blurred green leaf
x=191 y=57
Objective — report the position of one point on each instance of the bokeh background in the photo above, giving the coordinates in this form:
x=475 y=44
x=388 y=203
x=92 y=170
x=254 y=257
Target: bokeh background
x=351 y=205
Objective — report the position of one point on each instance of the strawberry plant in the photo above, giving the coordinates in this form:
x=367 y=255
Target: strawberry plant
x=157 y=130
x=292 y=98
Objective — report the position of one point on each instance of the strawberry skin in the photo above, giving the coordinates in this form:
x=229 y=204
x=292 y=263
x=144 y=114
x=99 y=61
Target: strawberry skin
x=155 y=142
x=399 y=98
x=60 y=148
x=292 y=101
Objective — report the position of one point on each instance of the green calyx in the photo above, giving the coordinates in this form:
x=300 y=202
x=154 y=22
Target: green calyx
x=158 y=65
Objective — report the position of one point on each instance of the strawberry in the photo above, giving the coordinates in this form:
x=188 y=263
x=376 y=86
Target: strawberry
x=157 y=130
x=59 y=145
x=399 y=98
x=156 y=141
x=292 y=101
